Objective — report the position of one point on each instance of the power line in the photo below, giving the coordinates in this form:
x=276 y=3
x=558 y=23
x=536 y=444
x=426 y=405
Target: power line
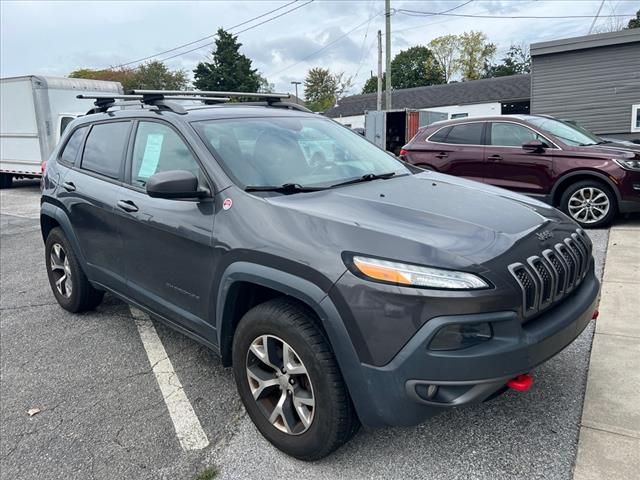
x=236 y=33
x=357 y=27
x=209 y=36
x=415 y=13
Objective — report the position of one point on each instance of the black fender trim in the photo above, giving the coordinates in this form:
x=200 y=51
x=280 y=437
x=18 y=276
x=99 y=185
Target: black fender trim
x=58 y=214
x=318 y=300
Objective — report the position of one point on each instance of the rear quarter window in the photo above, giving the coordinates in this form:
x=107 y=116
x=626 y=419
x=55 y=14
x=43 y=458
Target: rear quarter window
x=70 y=150
x=104 y=150
x=440 y=135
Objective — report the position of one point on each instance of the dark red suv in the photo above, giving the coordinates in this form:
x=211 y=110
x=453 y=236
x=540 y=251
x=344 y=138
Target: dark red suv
x=588 y=178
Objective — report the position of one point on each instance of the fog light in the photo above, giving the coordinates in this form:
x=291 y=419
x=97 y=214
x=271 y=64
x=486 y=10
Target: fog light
x=431 y=391
x=461 y=335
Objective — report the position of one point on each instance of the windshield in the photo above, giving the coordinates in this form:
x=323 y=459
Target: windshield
x=304 y=151
x=565 y=131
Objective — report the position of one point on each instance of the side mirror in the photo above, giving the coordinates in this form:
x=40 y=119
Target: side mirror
x=174 y=184
x=535 y=146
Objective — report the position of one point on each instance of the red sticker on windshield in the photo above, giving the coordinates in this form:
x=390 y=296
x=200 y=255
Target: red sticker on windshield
x=226 y=205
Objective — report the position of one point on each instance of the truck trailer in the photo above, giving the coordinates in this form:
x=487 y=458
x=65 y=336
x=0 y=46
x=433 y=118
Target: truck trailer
x=34 y=111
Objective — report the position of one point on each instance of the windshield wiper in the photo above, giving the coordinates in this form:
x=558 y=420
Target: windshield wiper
x=366 y=178
x=285 y=188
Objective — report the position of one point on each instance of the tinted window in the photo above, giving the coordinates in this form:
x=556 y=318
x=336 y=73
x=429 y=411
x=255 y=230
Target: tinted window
x=70 y=151
x=64 y=123
x=440 y=135
x=511 y=134
x=105 y=148
x=466 y=134
x=158 y=148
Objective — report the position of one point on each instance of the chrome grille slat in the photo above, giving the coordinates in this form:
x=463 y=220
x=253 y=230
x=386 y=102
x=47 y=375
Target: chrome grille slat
x=547 y=278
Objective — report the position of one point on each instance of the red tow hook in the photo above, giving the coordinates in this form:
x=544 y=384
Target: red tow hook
x=595 y=315
x=521 y=383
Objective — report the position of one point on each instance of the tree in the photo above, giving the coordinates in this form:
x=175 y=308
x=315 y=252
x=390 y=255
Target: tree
x=264 y=85
x=371 y=85
x=150 y=76
x=415 y=67
x=445 y=50
x=516 y=61
x=156 y=76
x=634 y=22
x=322 y=89
x=228 y=70
x=475 y=54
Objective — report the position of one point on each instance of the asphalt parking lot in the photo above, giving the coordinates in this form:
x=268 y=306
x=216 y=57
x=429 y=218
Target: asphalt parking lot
x=103 y=415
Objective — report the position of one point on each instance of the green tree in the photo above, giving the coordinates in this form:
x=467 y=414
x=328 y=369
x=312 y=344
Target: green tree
x=371 y=85
x=264 y=85
x=322 y=89
x=415 y=67
x=475 y=54
x=126 y=76
x=634 y=22
x=228 y=70
x=446 y=50
x=516 y=61
x=156 y=76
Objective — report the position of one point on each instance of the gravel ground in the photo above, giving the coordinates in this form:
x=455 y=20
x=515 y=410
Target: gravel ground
x=103 y=415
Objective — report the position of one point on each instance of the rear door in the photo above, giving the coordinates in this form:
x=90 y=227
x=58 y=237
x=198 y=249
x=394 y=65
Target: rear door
x=455 y=150
x=167 y=242
x=509 y=166
x=89 y=192
x=375 y=128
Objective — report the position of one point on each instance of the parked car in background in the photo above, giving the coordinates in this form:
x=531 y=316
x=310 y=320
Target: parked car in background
x=34 y=112
x=588 y=178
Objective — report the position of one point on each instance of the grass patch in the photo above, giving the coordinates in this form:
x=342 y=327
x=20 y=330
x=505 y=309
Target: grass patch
x=208 y=473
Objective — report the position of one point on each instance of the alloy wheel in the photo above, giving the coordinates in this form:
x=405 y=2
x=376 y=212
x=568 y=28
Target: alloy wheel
x=589 y=205
x=61 y=270
x=280 y=384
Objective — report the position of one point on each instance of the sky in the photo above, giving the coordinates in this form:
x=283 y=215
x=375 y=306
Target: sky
x=57 y=37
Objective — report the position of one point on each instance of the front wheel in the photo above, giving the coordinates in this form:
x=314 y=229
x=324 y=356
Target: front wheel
x=289 y=381
x=590 y=203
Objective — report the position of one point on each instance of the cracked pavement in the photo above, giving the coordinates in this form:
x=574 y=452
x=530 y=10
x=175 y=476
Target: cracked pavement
x=103 y=416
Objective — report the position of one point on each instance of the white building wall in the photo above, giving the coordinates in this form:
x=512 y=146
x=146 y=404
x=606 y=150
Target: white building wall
x=475 y=110
x=353 y=121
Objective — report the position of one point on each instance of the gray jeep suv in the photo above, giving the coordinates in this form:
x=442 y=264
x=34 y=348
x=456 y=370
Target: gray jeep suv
x=343 y=286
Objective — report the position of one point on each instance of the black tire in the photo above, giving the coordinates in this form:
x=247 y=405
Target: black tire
x=334 y=420
x=572 y=194
x=6 y=180
x=82 y=295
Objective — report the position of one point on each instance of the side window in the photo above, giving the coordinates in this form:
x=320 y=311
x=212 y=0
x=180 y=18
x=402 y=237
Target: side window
x=64 y=123
x=440 y=136
x=158 y=148
x=466 y=134
x=104 y=150
x=511 y=135
x=70 y=151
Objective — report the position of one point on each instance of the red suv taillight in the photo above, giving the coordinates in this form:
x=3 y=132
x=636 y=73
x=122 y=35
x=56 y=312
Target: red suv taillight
x=43 y=167
x=403 y=152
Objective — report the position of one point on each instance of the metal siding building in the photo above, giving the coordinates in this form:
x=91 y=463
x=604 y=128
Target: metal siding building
x=593 y=80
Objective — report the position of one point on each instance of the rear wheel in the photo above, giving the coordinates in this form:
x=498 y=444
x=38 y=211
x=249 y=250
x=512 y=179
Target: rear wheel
x=6 y=180
x=289 y=381
x=68 y=282
x=590 y=203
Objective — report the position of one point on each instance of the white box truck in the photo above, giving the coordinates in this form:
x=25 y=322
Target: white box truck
x=34 y=111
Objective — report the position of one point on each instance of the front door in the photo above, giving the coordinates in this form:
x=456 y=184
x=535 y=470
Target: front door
x=167 y=242
x=508 y=165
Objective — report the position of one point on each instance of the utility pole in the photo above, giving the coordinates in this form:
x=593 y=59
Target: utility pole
x=379 y=102
x=595 y=19
x=296 y=84
x=387 y=39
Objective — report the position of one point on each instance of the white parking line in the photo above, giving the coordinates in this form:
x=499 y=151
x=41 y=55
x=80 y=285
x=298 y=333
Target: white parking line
x=186 y=423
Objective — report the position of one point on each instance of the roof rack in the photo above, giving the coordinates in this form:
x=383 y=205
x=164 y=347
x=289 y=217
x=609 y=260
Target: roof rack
x=159 y=98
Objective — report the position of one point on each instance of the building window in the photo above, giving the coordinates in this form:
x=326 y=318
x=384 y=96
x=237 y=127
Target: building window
x=459 y=115
x=515 y=108
x=635 y=118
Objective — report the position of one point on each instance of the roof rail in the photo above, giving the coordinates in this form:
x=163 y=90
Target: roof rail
x=269 y=97
x=105 y=101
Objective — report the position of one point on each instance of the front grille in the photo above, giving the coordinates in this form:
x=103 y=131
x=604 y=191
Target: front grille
x=546 y=278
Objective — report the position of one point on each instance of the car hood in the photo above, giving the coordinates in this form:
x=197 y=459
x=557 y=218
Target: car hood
x=606 y=151
x=453 y=218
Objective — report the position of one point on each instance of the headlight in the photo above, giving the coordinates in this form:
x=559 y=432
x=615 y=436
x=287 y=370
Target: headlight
x=628 y=164
x=416 y=275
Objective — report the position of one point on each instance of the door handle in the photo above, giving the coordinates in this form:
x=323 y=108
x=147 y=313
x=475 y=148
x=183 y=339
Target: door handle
x=69 y=186
x=495 y=158
x=442 y=155
x=127 y=206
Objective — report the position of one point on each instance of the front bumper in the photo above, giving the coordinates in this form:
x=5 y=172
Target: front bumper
x=397 y=392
